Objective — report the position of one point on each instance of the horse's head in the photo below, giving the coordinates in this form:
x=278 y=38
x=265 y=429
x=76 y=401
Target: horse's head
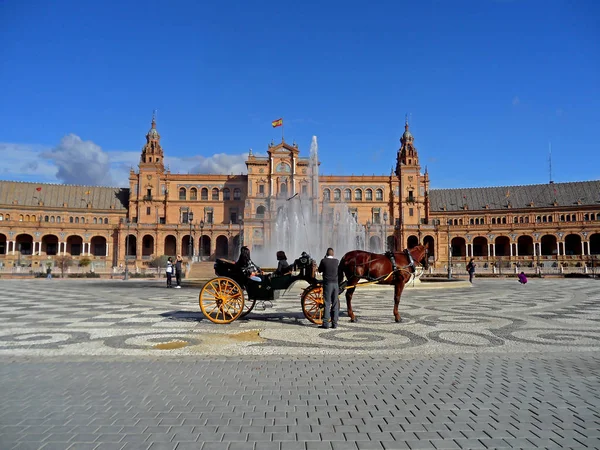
x=420 y=253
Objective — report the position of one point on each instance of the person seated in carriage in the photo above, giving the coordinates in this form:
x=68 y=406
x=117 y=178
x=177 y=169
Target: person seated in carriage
x=247 y=266
x=283 y=267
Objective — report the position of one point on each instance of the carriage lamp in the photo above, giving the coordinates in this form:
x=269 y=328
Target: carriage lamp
x=201 y=233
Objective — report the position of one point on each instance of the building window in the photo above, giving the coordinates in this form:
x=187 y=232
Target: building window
x=1 y=217
x=209 y=217
x=261 y=189
x=304 y=189
x=215 y=194
x=58 y=219
x=148 y=212
x=76 y=219
x=193 y=194
x=411 y=196
x=149 y=193
x=358 y=195
x=326 y=195
x=95 y=221
x=260 y=212
x=204 y=194
x=46 y=219
x=411 y=212
x=337 y=195
x=182 y=194
x=237 y=194
x=233 y=217
x=226 y=194
x=368 y=195
x=379 y=195
x=347 y=195
x=376 y=217
x=70 y=220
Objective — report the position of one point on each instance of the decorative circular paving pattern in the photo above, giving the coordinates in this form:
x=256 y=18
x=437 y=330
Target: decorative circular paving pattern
x=135 y=318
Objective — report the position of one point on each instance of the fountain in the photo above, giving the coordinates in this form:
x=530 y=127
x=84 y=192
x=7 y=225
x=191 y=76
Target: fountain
x=302 y=225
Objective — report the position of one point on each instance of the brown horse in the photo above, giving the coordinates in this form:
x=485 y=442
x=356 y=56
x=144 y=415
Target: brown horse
x=356 y=265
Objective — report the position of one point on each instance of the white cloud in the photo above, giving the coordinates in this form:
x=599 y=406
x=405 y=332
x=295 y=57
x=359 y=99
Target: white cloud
x=516 y=100
x=75 y=161
x=80 y=162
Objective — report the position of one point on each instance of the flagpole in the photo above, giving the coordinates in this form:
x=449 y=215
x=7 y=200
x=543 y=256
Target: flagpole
x=282 y=129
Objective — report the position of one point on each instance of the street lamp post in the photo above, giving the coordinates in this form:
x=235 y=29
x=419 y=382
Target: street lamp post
x=201 y=240
x=241 y=236
x=191 y=241
x=449 y=253
x=126 y=277
x=385 y=241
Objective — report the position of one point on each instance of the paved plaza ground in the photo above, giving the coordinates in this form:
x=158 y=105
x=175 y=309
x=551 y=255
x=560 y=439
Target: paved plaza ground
x=88 y=364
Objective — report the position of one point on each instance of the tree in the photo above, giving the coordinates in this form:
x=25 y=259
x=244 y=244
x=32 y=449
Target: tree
x=158 y=262
x=62 y=262
x=85 y=261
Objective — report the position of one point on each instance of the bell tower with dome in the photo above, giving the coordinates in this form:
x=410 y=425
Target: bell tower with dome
x=412 y=203
x=148 y=186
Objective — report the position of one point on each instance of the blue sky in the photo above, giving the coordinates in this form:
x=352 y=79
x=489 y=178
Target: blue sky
x=488 y=84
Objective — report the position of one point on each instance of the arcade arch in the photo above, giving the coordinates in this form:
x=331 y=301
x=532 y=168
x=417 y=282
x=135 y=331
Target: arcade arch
x=459 y=247
x=572 y=244
x=525 y=246
x=429 y=242
x=548 y=245
x=480 y=246
x=222 y=247
x=170 y=246
x=98 y=246
x=412 y=241
x=502 y=246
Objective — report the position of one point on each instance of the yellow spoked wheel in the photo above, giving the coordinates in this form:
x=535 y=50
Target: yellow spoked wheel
x=313 y=305
x=222 y=300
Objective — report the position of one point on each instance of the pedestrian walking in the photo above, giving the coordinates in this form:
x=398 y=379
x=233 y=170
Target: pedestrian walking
x=49 y=273
x=169 y=271
x=471 y=270
x=178 y=263
x=329 y=269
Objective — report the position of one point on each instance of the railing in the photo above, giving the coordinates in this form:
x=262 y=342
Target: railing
x=147 y=198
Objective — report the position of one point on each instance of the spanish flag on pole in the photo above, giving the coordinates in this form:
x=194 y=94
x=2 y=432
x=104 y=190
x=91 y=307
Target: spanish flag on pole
x=277 y=123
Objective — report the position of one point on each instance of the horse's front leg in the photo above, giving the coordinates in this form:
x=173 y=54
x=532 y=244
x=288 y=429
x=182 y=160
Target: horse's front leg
x=397 y=293
x=349 y=293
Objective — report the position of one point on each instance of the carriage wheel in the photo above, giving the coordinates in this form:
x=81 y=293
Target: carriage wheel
x=248 y=306
x=313 y=305
x=222 y=300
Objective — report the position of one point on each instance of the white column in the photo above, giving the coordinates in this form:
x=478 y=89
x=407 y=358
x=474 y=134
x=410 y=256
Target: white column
x=582 y=248
x=39 y=246
x=558 y=248
x=511 y=251
x=86 y=248
x=14 y=246
x=535 y=249
x=517 y=249
x=494 y=250
x=107 y=249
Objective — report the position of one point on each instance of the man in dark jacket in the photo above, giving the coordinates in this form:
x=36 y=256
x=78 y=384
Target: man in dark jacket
x=329 y=269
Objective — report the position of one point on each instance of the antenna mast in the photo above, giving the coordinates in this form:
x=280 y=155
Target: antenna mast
x=550 y=160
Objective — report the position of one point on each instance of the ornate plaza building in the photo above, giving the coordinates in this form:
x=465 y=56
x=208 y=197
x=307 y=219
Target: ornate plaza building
x=209 y=216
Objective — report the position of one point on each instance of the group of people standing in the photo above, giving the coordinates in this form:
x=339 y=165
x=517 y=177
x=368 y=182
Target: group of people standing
x=328 y=267
x=174 y=269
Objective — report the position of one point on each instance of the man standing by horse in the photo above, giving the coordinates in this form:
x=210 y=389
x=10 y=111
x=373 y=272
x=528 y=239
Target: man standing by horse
x=329 y=269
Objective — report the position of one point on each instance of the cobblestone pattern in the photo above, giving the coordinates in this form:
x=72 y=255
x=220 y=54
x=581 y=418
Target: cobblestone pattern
x=65 y=317
x=473 y=402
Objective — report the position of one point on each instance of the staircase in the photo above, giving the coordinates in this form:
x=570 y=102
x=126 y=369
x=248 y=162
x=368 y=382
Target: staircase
x=201 y=271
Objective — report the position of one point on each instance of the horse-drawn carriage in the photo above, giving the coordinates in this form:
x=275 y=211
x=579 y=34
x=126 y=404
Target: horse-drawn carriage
x=232 y=294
